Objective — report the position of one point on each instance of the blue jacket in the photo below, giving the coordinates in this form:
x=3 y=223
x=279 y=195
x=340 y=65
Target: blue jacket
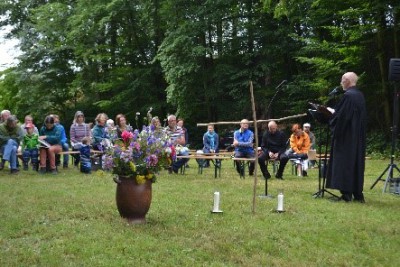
x=209 y=143
x=63 y=134
x=53 y=135
x=245 y=140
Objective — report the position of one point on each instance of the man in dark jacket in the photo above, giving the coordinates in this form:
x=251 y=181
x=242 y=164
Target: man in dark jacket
x=273 y=147
x=10 y=137
x=348 y=125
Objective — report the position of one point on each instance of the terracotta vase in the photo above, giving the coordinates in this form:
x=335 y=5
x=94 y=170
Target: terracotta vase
x=133 y=199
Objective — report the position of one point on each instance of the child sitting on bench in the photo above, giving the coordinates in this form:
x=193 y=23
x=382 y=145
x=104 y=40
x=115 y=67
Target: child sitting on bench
x=86 y=164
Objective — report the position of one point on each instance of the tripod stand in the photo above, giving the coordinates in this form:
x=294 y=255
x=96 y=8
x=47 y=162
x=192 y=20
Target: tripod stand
x=391 y=166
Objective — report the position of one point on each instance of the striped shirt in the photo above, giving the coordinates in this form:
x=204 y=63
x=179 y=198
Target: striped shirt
x=174 y=134
x=78 y=131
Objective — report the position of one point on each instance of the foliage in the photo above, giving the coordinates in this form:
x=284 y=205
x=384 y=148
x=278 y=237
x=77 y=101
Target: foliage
x=196 y=58
x=380 y=146
x=71 y=220
x=140 y=154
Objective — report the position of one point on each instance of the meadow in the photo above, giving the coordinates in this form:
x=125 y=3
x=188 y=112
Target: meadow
x=70 y=219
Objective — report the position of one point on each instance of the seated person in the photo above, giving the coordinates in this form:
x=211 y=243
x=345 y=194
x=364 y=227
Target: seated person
x=210 y=142
x=64 y=142
x=10 y=138
x=4 y=115
x=79 y=129
x=99 y=133
x=306 y=128
x=52 y=135
x=30 y=147
x=111 y=130
x=28 y=119
x=243 y=143
x=299 y=146
x=122 y=125
x=84 y=151
x=177 y=138
x=273 y=146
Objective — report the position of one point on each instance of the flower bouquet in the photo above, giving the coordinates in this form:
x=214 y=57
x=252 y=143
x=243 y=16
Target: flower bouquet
x=139 y=155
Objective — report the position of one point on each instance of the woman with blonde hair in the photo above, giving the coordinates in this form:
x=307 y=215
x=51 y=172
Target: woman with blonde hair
x=99 y=133
x=79 y=129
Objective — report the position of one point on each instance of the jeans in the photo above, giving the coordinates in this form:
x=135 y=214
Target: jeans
x=10 y=153
x=30 y=154
x=179 y=163
x=65 y=148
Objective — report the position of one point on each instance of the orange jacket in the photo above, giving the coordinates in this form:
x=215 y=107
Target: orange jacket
x=300 y=144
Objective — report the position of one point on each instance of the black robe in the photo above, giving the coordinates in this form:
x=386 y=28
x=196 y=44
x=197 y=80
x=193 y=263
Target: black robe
x=347 y=158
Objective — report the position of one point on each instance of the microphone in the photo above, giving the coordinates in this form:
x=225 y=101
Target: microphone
x=282 y=83
x=335 y=91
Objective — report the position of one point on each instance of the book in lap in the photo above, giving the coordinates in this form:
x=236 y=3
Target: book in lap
x=44 y=144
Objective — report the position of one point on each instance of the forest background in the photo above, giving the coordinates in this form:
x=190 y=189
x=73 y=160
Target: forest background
x=196 y=58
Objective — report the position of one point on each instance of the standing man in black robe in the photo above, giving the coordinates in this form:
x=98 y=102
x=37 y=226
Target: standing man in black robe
x=348 y=126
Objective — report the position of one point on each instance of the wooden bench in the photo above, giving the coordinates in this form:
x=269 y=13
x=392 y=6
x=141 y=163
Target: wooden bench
x=96 y=153
x=200 y=158
x=95 y=156
x=243 y=162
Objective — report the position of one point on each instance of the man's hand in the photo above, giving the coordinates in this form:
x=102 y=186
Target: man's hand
x=273 y=155
x=235 y=143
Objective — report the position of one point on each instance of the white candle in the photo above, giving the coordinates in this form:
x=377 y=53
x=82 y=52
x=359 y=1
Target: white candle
x=216 y=201
x=280 y=202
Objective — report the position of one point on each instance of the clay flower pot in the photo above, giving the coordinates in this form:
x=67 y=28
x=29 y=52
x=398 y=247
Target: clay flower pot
x=133 y=199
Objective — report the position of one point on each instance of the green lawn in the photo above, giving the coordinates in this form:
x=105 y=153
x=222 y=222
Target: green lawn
x=71 y=220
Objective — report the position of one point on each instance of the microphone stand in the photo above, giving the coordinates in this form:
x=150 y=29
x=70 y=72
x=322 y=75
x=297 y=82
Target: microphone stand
x=392 y=166
x=277 y=89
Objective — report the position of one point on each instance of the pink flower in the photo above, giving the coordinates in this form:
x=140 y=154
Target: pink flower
x=126 y=136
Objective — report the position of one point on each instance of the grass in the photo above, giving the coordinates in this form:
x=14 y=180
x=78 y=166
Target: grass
x=71 y=220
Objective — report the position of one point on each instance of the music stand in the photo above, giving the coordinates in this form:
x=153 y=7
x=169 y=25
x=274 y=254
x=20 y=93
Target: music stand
x=322 y=115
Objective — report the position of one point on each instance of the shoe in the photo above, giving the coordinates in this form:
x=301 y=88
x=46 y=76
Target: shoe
x=279 y=176
x=341 y=198
x=304 y=173
x=42 y=170
x=1 y=165
x=344 y=198
x=26 y=167
x=65 y=166
x=267 y=176
x=251 y=173
x=359 y=198
x=14 y=171
x=54 y=171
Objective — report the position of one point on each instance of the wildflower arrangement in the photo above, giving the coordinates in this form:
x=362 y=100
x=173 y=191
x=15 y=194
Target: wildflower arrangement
x=139 y=155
